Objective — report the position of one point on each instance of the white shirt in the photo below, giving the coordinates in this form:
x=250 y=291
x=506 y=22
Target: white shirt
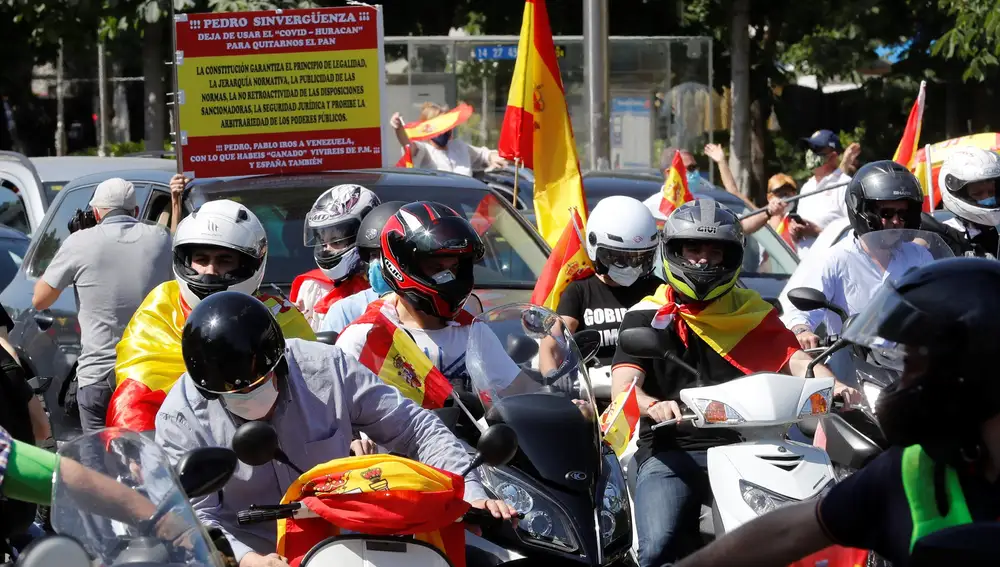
x=343 y=312
x=849 y=278
x=310 y=293
x=446 y=349
x=824 y=208
x=813 y=263
x=457 y=157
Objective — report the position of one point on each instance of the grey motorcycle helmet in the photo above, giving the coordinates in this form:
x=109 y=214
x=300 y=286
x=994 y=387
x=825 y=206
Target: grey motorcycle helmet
x=702 y=221
x=883 y=180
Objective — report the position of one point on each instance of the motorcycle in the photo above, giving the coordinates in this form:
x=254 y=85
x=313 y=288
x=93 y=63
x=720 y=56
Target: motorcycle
x=378 y=510
x=564 y=479
x=173 y=535
x=766 y=470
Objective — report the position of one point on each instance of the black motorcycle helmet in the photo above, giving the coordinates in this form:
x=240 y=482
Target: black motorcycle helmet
x=425 y=230
x=369 y=240
x=938 y=325
x=883 y=180
x=230 y=341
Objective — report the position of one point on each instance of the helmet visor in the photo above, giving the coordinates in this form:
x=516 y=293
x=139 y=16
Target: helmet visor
x=342 y=233
x=623 y=259
x=982 y=193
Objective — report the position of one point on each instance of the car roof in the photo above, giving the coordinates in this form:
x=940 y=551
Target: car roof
x=600 y=184
x=68 y=168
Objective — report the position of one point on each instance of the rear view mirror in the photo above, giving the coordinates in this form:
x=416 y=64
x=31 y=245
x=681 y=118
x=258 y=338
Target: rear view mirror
x=643 y=342
x=256 y=443
x=809 y=299
x=588 y=341
x=206 y=470
x=496 y=447
x=521 y=349
x=327 y=337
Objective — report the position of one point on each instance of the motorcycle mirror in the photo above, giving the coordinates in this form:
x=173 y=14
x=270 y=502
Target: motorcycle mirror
x=642 y=342
x=809 y=299
x=256 y=444
x=206 y=470
x=54 y=549
x=588 y=341
x=327 y=337
x=497 y=446
x=969 y=544
x=521 y=349
x=841 y=343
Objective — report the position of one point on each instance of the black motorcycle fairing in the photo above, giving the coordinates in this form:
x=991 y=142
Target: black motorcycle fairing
x=845 y=444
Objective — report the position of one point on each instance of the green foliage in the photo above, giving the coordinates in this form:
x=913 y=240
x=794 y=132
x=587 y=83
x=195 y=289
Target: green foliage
x=974 y=37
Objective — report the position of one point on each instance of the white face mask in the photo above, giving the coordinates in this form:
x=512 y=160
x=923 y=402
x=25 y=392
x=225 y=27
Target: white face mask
x=624 y=276
x=254 y=404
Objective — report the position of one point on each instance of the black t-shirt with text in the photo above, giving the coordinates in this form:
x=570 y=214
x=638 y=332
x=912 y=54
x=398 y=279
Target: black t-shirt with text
x=869 y=510
x=664 y=380
x=599 y=306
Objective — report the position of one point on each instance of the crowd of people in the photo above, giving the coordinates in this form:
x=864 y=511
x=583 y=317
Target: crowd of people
x=228 y=352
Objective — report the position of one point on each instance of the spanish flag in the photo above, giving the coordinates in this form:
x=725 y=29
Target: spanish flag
x=909 y=144
x=675 y=188
x=740 y=326
x=407 y=159
x=392 y=355
x=784 y=233
x=376 y=495
x=427 y=129
x=149 y=354
x=567 y=262
x=619 y=420
x=536 y=127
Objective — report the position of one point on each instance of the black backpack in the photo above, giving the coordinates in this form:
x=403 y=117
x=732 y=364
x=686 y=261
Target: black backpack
x=15 y=516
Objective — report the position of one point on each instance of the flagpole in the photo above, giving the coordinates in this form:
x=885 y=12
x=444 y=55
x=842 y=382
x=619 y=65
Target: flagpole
x=929 y=178
x=517 y=176
x=756 y=212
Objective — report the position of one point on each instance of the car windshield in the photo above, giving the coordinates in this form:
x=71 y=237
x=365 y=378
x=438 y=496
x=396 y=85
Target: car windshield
x=514 y=256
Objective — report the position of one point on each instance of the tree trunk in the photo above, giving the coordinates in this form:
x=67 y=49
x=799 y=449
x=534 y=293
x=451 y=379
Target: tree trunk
x=154 y=92
x=739 y=136
x=119 y=102
x=760 y=111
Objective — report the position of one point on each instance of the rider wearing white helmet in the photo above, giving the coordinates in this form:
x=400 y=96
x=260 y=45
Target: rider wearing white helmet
x=331 y=229
x=968 y=185
x=621 y=240
x=221 y=246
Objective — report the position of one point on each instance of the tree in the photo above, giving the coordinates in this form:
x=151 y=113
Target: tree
x=974 y=36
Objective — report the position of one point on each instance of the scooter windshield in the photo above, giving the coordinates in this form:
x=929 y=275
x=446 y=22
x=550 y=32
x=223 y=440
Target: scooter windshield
x=120 y=498
x=530 y=343
x=897 y=251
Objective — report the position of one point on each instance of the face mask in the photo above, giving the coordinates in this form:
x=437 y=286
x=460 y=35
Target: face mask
x=252 y=405
x=990 y=202
x=624 y=276
x=814 y=160
x=376 y=280
x=442 y=139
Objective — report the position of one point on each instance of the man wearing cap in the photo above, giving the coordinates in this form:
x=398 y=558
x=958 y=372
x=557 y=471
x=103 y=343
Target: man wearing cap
x=822 y=157
x=112 y=266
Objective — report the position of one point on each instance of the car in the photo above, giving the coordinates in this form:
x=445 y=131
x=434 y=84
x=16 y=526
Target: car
x=38 y=180
x=48 y=342
x=13 y=247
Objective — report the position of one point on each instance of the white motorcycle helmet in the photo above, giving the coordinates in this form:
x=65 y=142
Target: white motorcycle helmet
x=964 y=168
x=224 y=224
x=622 y=239
x=331 y=228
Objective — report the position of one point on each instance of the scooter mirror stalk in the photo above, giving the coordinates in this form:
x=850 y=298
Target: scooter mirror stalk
x=809 y=299
x=841 y=343
x=256 y=444
x=496 y=447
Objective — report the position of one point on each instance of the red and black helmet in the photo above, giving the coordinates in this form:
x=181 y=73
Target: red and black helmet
x=423 y=231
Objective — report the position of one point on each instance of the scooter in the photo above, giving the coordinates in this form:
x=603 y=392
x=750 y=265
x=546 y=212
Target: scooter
x=256 y=444
x=766 y=470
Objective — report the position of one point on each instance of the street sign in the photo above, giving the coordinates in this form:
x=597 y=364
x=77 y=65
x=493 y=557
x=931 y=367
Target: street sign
x=503 y=52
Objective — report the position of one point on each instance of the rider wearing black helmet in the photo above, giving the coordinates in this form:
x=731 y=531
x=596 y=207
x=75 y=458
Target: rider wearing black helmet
x=241 y=368
x=939 y=323
x=882 y=195
x=722 y=331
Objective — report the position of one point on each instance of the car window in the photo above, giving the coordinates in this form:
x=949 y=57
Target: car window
x=12 y=252
x=159 y=211
x=52 y=189
x=514 y=258
x=12 y=211
x=56 y=227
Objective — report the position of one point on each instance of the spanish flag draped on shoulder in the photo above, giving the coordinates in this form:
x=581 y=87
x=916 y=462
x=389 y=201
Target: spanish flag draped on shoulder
x=675 y=188
x=149 y=354
x=567 y=262
x=620 y=418
x=394 y=356
x=740 y=326
x=536 y=128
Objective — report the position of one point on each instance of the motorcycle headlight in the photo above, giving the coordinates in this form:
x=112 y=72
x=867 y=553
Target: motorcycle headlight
x=872 y=392
x=615 y=515
x=545 y=523
x=762 y=500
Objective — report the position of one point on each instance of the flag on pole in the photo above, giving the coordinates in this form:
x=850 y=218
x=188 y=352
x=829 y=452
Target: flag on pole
x=909 y=144
x=407 y=159
x=567 y=262
x=536 y=127
x=618 y=422
x=675 y=188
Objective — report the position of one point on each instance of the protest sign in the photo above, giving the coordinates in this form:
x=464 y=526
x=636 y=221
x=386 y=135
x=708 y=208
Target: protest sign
x=280 y=91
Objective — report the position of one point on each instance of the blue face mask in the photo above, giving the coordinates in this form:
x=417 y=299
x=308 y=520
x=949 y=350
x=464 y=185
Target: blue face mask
x=375 y=278
x=991 y=202
x=695 y=180
x=442 y=139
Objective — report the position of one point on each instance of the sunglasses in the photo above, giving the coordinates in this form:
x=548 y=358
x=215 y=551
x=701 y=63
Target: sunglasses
x=888 y=214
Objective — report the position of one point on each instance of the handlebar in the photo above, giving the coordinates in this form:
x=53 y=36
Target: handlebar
x=483 y=518
x=258 y=514
x=675 y=421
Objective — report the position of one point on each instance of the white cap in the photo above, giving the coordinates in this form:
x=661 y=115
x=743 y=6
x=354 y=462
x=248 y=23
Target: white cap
x=114 y=193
